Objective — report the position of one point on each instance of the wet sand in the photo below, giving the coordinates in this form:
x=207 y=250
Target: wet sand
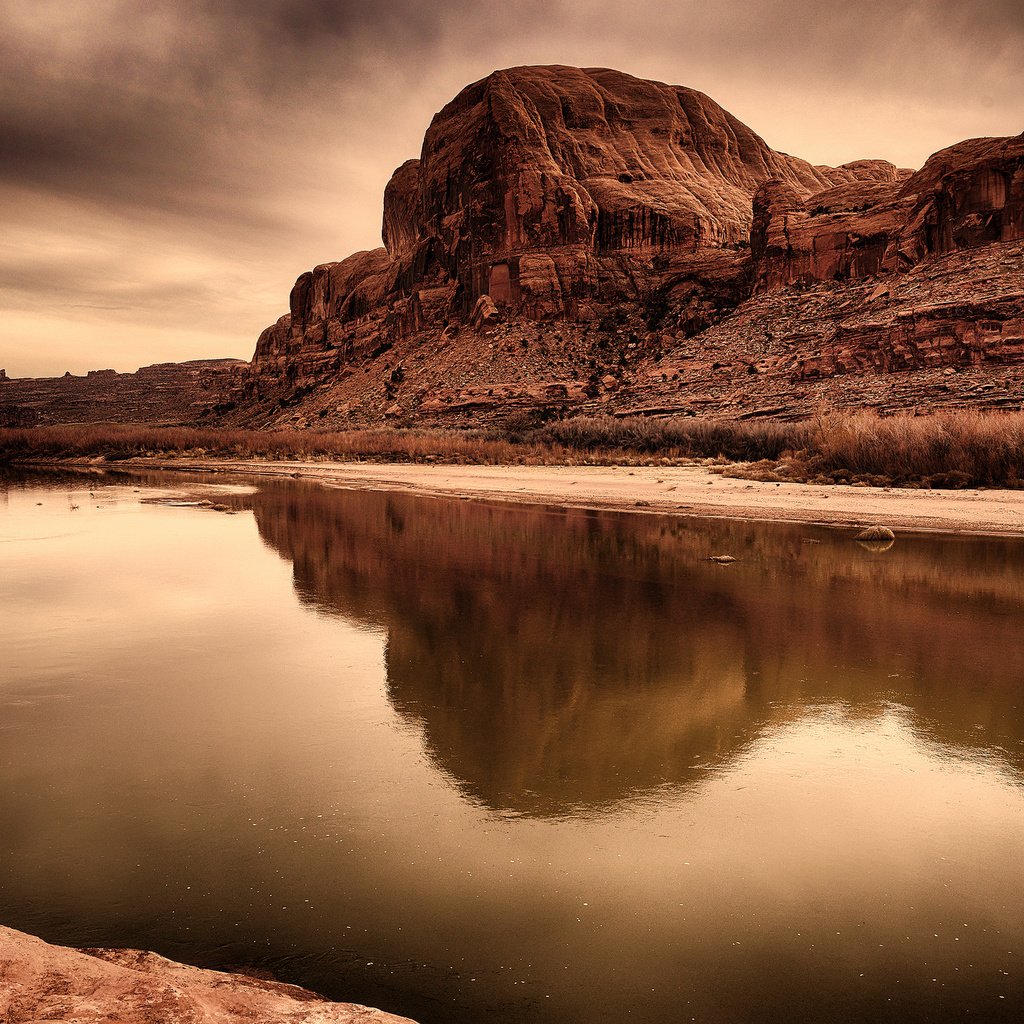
x=678 y=490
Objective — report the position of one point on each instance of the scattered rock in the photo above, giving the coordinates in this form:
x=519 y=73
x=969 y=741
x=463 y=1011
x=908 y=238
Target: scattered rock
x=485 y=314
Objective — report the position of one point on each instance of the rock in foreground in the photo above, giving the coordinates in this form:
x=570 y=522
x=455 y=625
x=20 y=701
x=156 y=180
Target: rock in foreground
x=43 y=982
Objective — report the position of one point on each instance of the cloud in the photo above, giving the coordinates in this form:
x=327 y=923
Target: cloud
x=255 y=139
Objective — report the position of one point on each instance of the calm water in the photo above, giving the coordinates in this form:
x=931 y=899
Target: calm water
x=471 y=763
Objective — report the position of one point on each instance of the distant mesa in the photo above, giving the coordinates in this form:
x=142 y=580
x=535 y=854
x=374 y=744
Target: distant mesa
x=164 y=393
x=564 y=227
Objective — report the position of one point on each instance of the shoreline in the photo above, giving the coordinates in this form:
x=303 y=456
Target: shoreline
x=692 y=491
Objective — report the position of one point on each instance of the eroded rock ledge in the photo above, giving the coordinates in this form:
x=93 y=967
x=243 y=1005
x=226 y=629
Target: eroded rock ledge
x=43 y=982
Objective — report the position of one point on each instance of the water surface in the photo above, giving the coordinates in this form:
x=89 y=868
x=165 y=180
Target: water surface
x=476 y=763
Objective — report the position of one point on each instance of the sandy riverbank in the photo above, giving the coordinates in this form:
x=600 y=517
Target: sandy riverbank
x=676 y=490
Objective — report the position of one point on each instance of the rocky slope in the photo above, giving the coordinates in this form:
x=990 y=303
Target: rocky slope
x=43 y=982
x=581 y=240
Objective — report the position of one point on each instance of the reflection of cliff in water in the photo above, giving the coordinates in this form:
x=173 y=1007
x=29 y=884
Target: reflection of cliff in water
x=559 y=660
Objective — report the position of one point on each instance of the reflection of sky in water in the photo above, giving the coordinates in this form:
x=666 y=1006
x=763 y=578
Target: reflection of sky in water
x=515 y=766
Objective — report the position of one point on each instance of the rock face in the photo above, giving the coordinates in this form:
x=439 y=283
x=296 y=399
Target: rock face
x=543 y=187
x=948 y=333
x=583 y=240
x=43 y=982
x=553 y=191
x=965 y=197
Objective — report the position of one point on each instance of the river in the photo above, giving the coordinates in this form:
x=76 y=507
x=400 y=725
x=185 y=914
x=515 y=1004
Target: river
x=477 y=763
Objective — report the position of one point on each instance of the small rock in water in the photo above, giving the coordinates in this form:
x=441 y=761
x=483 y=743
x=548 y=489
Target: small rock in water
x=876 y=533
x=722 y=559
x=876 y=539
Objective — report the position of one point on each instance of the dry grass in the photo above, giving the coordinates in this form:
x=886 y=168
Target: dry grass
x=948 y=449
x=960 y=449
x=683 y=437
x=115 y=442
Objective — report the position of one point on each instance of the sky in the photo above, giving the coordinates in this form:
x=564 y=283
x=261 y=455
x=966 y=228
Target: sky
x=167 y=169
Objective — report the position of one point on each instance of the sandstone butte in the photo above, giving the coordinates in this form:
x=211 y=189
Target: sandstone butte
x=42 y=982
x=579 y=240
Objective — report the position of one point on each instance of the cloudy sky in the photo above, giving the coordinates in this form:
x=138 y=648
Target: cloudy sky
x=167 y=169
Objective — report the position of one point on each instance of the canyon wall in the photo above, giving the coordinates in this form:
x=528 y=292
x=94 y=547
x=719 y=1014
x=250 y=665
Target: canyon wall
x=555 y=192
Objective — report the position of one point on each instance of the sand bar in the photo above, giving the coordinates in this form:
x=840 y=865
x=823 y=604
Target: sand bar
x=675 y=490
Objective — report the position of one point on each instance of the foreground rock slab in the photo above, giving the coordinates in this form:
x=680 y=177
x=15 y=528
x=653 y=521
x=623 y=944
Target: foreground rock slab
x=43 y=982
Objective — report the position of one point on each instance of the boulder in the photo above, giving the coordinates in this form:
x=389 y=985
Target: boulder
x=486 y=314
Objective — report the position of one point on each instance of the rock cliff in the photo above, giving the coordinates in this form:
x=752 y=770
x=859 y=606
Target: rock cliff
x=581 y=240
x=965 y=197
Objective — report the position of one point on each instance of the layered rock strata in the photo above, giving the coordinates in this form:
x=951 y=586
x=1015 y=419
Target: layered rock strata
x=949 y=333
x=580 y=240
x=554 y=192
x=965 y=197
